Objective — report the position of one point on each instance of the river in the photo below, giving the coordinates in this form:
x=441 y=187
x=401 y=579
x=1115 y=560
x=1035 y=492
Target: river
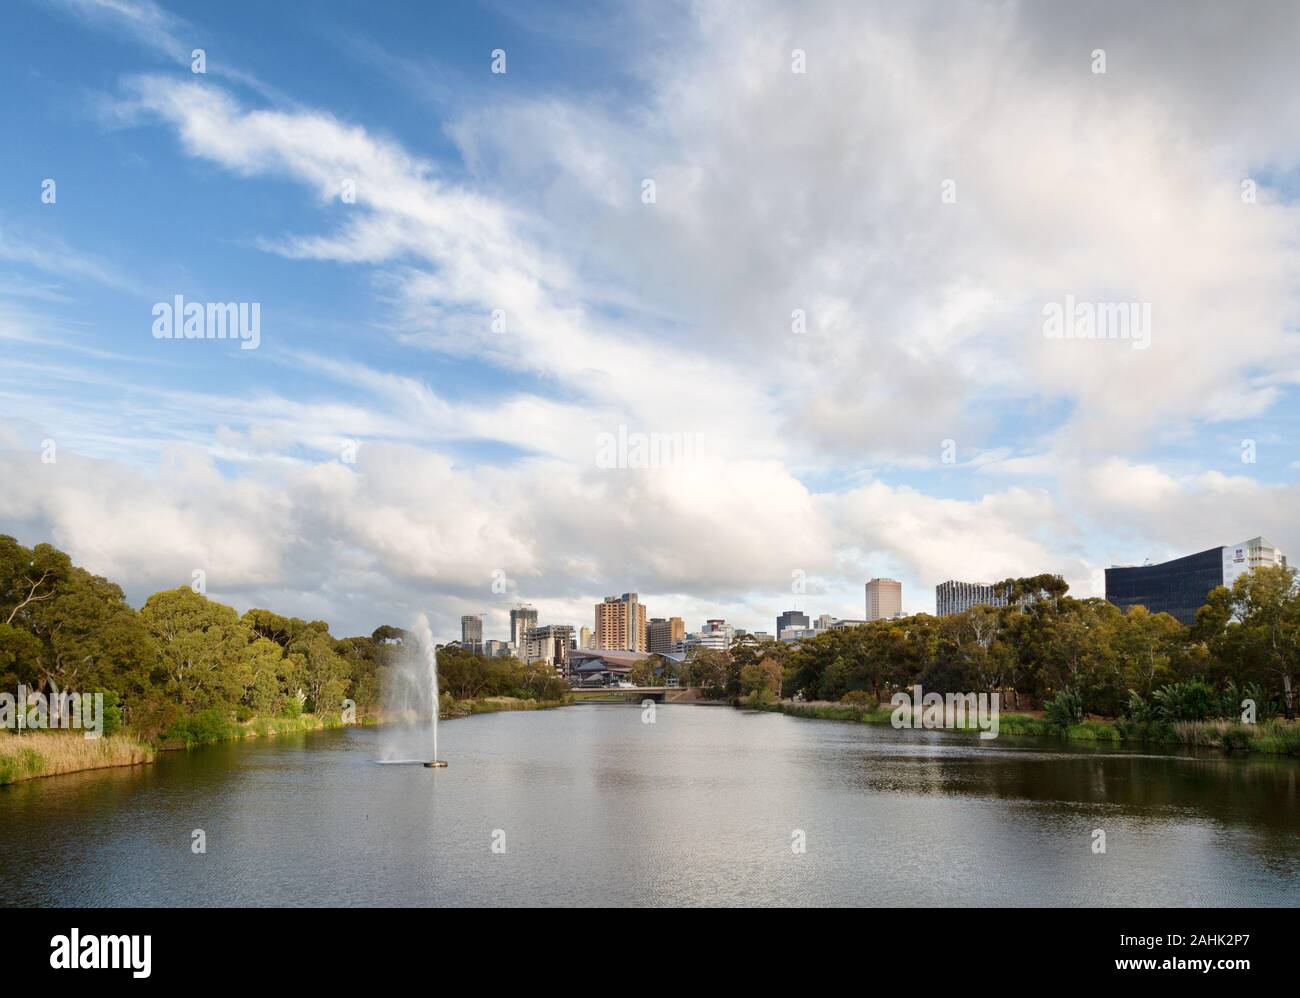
x=588 y=805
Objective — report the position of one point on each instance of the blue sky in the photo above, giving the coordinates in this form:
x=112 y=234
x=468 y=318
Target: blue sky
x=776 y=191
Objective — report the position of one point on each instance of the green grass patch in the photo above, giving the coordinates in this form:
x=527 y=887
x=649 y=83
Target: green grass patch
x=491 y=705
x=215 y=725
x=1275 y=737
x=1092 y=731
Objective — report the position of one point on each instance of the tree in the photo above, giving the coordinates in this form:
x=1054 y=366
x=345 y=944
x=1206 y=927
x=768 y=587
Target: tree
x=1255 y=629
x=95 y=639
x=28 y=578
x=202 y=648
x=267 y=687
x=761 y=678
x=1146 y=645
x=710 y=669
x=325 y=672
x=646 y=671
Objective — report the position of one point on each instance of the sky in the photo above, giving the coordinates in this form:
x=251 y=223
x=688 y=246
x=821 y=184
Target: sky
x=809 y=251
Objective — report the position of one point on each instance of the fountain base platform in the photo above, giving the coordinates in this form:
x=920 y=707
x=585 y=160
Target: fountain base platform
x=436 y=764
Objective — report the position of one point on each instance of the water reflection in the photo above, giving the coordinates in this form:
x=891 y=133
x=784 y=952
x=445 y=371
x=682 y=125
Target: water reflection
x=595 y=807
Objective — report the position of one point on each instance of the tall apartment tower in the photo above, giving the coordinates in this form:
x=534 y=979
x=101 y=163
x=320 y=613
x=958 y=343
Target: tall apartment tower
x=620 y=623
x=522 y=618
x=884 y=599
x=471 y=633
x=586 y=639
x=662 y=635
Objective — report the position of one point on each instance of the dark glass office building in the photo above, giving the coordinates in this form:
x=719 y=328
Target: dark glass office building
x=791 y=618
x=1177 y=587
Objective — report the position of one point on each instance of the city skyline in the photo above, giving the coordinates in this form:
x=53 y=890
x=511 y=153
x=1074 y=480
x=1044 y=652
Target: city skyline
x=954 y=596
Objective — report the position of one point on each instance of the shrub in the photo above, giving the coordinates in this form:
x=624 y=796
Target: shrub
x=1064 y=709
x=1192 y=701
x=211 y=725
x=1138 y=710
x=112 y=717
x=861 y=699
x=1230 y=704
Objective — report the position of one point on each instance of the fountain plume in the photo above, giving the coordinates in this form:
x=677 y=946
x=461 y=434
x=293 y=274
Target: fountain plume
x=411 y=699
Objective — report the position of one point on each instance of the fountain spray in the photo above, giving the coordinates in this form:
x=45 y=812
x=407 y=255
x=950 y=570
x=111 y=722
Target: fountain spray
x=425 y=637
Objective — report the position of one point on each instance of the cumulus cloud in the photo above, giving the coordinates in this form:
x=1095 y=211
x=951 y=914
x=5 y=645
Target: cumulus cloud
x=801 y=294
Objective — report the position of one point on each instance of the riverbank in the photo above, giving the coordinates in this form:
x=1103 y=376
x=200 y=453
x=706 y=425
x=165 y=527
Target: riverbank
x=210 y=726
x=1275 y=737
x=35 y=754
x=490 y=705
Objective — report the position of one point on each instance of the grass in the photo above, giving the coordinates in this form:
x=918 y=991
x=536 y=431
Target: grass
x=210 y=726
x=827 y=711
x=1275 y=737
x=48 y=753
x=605 y=693
x=490 y=705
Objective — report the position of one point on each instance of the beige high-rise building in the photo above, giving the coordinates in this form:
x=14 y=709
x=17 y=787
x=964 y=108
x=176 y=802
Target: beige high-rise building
x=620 y=623
x=550 y=644
x=662 y=635
x=586 y=639
x=884 y=599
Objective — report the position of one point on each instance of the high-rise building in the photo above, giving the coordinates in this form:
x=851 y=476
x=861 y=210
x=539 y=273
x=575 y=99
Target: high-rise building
x=620 y=623
x=663 y=635
x=550 y=644
x=1180 y=587
x=471 y=633
x=789 y=619
x=716 y=634
x=884 y=599
x=494 y=648
x=586 y=639
x=956 y=597
x=522 y=617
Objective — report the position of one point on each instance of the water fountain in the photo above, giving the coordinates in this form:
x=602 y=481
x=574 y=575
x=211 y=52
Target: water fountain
x=410 y=695
x=431 y=662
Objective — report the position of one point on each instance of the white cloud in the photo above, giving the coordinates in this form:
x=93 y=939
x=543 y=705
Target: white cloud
x=775 y=191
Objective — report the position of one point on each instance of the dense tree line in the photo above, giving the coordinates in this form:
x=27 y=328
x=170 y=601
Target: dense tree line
x=183 y=656
x=466 y=676
x=178 y=656
x=1111 y=662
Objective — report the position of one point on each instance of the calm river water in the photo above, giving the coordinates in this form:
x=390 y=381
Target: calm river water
x=702 y=807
